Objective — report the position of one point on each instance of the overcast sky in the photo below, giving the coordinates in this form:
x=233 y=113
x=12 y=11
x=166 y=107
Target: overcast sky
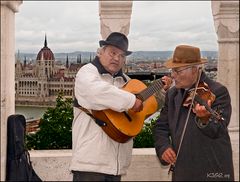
x=75 y=26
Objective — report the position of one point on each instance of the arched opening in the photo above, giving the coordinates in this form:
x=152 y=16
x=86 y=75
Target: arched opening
x=7 y=85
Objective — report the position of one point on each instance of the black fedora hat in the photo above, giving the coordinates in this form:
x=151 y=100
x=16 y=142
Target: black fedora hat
x=118 y=40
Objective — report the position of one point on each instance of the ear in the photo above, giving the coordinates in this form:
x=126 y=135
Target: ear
x=99 y=52
x=195 y=69
x=199 y=69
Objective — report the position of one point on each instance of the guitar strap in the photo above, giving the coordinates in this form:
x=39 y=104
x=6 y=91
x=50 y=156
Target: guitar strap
x=98 y=121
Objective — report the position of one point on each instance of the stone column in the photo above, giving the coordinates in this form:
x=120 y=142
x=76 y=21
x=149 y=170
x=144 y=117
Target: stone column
x=226 y=21
x=115 y=17
x=8 y=10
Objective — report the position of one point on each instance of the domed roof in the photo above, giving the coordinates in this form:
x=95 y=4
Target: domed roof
x=45 y=53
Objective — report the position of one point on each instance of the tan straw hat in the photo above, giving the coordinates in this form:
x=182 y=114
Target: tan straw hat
x=185 y=55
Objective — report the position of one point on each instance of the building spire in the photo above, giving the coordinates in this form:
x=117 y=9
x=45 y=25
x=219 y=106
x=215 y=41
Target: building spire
x=25 y=61
x=67 y=62
x=17 y=56
x=45 y=42
x=77 y=59
x=80 y=59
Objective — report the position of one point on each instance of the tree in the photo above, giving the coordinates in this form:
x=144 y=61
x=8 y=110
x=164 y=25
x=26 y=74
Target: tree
x=55 y=127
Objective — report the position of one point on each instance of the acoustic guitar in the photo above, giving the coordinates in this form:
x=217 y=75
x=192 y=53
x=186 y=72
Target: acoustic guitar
x=121 y=126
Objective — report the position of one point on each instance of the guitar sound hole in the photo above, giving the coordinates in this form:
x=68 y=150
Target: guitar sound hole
x=128 y=117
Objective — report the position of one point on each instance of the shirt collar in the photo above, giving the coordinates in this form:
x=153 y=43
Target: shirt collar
x=96 y=62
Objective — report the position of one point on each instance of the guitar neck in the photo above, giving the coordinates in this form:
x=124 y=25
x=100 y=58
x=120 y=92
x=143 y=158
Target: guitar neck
x=149 y=91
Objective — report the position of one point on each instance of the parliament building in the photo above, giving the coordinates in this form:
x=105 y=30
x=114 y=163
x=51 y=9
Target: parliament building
x=39 y=83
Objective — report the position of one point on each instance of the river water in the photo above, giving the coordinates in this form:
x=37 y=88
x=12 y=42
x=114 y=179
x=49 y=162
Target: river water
x=30 y=112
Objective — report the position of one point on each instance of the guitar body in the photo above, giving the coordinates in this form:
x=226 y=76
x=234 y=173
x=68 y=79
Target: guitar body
x=121 y=127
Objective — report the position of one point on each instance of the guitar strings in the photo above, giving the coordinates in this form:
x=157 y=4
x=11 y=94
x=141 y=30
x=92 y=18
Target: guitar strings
x=157 y=86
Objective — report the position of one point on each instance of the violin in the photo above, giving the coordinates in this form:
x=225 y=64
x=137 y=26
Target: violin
x=202 y=95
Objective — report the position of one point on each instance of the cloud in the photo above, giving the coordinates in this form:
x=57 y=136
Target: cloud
x=163 y=25
x=75 y=25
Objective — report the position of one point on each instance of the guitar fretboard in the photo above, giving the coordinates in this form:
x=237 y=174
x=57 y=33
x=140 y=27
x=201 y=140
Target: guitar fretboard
x=153 y=88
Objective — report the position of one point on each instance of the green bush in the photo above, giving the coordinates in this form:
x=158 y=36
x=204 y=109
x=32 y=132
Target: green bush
x=55 y=129
x=145 y=138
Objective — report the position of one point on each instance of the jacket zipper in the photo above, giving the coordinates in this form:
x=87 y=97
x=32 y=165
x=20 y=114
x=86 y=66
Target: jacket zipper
x=118 y=159
x=118 y=147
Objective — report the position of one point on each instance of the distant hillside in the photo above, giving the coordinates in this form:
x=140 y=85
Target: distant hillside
x=163 y=55
x=149 y=55
x=138 y=55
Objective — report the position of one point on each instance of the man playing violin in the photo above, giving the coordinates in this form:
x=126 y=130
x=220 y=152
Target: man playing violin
x=194 y=140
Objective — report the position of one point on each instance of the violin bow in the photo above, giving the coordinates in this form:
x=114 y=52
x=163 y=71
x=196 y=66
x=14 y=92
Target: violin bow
x=172 y=166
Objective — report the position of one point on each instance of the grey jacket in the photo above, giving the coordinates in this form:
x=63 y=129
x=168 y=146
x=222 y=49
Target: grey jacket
x=206 y=152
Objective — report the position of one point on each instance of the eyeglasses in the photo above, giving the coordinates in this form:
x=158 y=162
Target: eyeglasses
x=113 y=54
x=178 y=71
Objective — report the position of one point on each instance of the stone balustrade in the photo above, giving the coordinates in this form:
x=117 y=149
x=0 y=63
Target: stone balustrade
x=53 y=165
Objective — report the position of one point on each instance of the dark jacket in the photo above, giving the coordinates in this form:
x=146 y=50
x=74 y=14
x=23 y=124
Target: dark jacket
x=206 y=152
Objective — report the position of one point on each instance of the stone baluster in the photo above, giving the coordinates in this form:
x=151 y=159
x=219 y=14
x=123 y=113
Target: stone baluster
x=115 y=17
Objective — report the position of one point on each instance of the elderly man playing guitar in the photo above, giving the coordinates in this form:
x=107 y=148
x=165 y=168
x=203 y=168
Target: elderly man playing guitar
x=106 y=111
